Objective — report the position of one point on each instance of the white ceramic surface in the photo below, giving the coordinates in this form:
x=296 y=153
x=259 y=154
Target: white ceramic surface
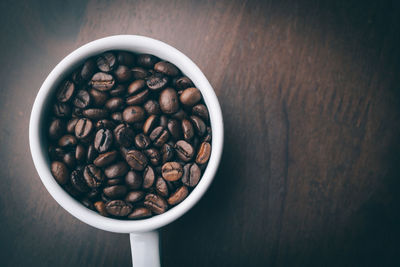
x=143 y=241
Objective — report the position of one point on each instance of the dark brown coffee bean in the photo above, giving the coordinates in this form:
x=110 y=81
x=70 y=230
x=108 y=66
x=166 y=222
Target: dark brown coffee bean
x=76 y=77
x=140 y=213
x=94 y=194
x=207 y=137
x=69 y=159
x=190 y=96
x=95 y=113
x=60 y=172
x=114 y=104
x=117 y=117
x=82 y=99
x=178 y=196
x=116 y=181
x=172 y=171
x=146 y=60
x=62 y=110
x=166 y=68
x=115 y=191
x=80 y=153
x=153 y=155
x=124 y=135
x=103 y=140
x=126 y=58
x=87 y=203
x=191 y=174
x=163 y=121
x=155 y=203
x=116 y=170
x=118 y=208
x=67 y=141
x=198 y=125
x=134 y=196
x=184 y=150
x=161 y=187
x=88 y=69
x=139 y=73
x=56 y=129
x=78 y=182
x=118 y=90
x=168 y=100
x=83 y=128
x=201 y=111
x=65 y=91
x=106 y=158
x=159 y=136
x=175 y=129
x=91 y=153
x=98 y=98
x=187 y=129
x=152 y=107
x=157 y=81
x=56 y=153
x=100 y=206
x=167 y=152
x=71 y=125
x=136 y=159
x=102 y=81
x=133 y=114
x=142 y=141
x=182 y=83
x=133 y=180
x=204 y=153
x=150 y=124
x=179 y=115
x=94 y=177
x=105 y=124
x=136 y=86
x=107 y=62
x=122 y=73
x=148 y=177
x=76 y=112
x=138 y=98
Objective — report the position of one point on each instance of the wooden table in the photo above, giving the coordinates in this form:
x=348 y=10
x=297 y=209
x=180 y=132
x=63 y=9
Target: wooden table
x=311 y=103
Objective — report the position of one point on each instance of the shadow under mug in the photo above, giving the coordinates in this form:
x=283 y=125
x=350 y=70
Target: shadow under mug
x=143 y=235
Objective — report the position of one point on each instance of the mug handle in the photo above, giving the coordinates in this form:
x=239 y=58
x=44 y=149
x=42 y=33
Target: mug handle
x=145 y=249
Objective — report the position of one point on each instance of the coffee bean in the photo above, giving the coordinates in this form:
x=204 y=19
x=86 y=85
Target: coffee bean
x=87 y=203
x=80 y=153
x=124 y=135
x=133 y=180
x=95 y=113
x=146 y=60
x=82 y=99
x=60 y=172
x=78 y=182
x=136 y=159
x=191 y=174
x=115 y=181
x=116 y=170
x=153 y=155
x=157 y=81
x=139 y=73
x=100 y=206
x=94 y=194
x=201 y=111
x=56 y=129
x=115 y=191
x=138 y=98
x=56 y=153
x=152 y=107
x=198 y=125
x=106 y=62
x=166 y=68
x=118 y=90
x=118 y=208
x=102 y=81
x=88 y=69
x=117 y=117
x=140 y=213
x=62 y=110
x=155 y=203
x=105 y=124
x=169 y=101
x=114 y=104
x=207 y=137
x=161 y=187
x=76 y=112
x=159 y=136
x=69 y=160
x=150 y=124
x=136 y=86
x=142 y=141
x=178 y=196
x=83 y=128
x=184 y=150
x=98 y=98
x=133 y=114
x=125 y=58
x=167 y=152
x=94 y=177
x=122 y=73
x=65 y=91
x=204 y=153
x=77 y=78
x=182 y=83
x=91 y=153
x=179 y=115
x=175 y=129
x=71 y=125
x=148 y=177
x=67 y=141
x=172 y=171
x=103 y=140
x=106 y=158
x=134 y=196
x=187 y=129
x=190 y=96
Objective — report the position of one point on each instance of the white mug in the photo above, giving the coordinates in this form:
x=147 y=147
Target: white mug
x=143 y=234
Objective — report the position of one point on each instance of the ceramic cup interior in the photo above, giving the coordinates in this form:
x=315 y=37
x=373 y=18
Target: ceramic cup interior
x=38 y=141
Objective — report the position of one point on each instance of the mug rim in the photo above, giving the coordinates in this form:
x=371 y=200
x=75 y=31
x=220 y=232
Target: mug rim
x=137 y=44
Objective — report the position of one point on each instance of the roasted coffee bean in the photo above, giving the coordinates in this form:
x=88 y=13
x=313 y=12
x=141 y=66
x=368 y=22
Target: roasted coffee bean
x=153 y=155
x=175 y=129
x=118 y=90
x=178 y=196
x=82 y=99
x=105 y=124
x=146 y=60
x=94 y=194
x=190 y=96
x=139 y=73
x=69 y=160
x=172 y=171
x=87 y=203
x=140 y=213
x=91 y=153
x=77 y=78
x=182 y=83
x=78 y=182
x=100 y=206
x=133 y=180
x=88 y=69
x=98 y=98
x=163 y=121
x=60 y=172
x=56 y=153
x=102 y=81
x=133 y=114
x=134 y=196
x=104 y=197
x=117 y=117
x=161 y=187
x=126 y=58
x=207 y=137
x=71 y=125
x=198 y=125
x=95 y=113
x=204 y=153
x=136 y=159
x=152 y=107
x=67 y=141
x=155 y=203
x=167 y=152
x=136 y=86
x=116 y=170
x=142 y=141
x=184 y=150
x=80 y=153
x=76 y=112
x=56 y=129
x=118 y=208
x=187 y=129
x=106 y=62
x=103 y=140
x=138 y=98
x=94 y=177
x=65 y=91
x=148 y=177
x=201 y=111
x=168 y=100
x=157 y=81
x=122 y=73
x=159 y=136
x=83 y=128
x=114 y=104
x=124 y=135
x=179 y=115
x=166 y=68
x=115 y=181
x=62 y=110
x=191 y=174
x=115 y=191
x=150 y=124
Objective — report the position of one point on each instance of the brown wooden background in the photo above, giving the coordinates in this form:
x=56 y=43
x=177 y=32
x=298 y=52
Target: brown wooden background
x=311 y=101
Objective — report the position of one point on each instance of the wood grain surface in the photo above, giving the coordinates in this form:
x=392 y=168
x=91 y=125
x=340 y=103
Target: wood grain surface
x=311 y=102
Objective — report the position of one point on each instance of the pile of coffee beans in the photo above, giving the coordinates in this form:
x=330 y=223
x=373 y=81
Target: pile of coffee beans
x=129 y=135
